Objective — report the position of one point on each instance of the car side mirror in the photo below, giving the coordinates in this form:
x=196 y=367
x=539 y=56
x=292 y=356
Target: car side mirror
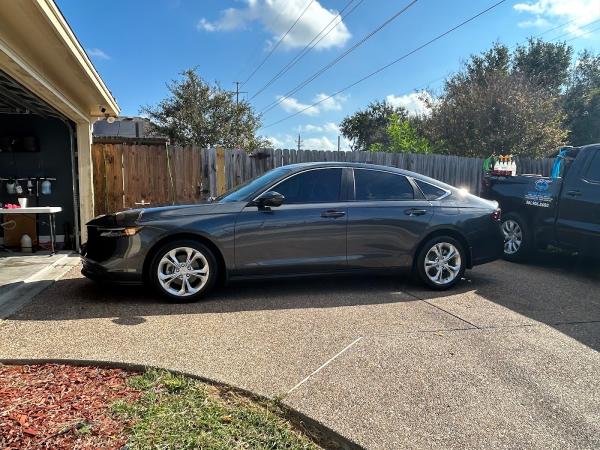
x=270 y=198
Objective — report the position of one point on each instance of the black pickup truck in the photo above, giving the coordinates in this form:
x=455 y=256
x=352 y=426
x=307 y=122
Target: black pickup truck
x=563 y=211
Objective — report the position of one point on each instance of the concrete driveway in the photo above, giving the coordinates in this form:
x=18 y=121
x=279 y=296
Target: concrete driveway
x=509 y=359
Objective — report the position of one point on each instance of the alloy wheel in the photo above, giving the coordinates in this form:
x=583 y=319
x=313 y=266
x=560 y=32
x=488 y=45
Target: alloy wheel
x=442 y=263
x=513 y=236
x=183 y=271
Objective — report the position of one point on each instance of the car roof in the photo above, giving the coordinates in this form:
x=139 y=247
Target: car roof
x=298 y=167
x=357 y=165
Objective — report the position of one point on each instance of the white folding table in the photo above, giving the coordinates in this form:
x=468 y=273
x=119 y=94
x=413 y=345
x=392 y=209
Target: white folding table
x=50 y=210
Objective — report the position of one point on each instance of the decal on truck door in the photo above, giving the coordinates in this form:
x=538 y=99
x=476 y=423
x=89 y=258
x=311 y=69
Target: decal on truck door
x=541 y=197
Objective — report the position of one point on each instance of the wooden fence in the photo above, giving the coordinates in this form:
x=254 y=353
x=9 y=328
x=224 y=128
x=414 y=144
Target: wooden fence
x=130 y=176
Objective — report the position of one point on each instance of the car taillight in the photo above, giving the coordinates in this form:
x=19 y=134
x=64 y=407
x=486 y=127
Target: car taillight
x=497 y=215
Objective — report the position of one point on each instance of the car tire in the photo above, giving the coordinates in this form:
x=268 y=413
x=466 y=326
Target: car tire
x=517 y=238
x=183 y=271
x=441 y=262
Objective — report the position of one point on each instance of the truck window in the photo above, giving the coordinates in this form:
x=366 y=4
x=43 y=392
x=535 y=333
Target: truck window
x=593 y=170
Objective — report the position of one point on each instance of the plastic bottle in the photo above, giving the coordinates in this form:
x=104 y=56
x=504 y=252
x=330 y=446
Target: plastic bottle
x=497 y=165
x=26 y=244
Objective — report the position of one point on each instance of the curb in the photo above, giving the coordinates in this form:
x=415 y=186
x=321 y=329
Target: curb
x=293 y=415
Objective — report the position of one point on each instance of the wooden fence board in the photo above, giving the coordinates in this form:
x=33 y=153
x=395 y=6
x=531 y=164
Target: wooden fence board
x=124 y=175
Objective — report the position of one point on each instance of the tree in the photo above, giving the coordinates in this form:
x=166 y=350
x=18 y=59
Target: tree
x=369 y=126
x=402 y=137
x=197 y=113
x=543 y=63
x=498 y=103
x=582 y=100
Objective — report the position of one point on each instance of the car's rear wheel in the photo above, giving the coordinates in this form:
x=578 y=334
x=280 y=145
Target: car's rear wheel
x=441 y=262
x=184 y=270
x=517 y=240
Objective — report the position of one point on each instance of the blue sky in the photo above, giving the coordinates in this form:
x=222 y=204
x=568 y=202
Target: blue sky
x=139 y=45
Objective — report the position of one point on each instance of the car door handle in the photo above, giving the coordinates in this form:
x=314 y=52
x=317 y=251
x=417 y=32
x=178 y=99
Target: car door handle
x=332 y=213
x=415 y=212
x=574 y=193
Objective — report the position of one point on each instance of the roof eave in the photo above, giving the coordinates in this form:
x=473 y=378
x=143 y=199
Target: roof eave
x=63 y=30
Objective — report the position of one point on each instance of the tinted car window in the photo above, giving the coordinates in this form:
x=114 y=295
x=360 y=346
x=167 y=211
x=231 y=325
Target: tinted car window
x=430 y=191
x=243 y=191
x=376 y=185
x=313 y=186
x=593 y=171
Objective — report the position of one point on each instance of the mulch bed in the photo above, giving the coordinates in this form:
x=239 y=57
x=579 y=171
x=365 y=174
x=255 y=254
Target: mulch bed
x=62 y=407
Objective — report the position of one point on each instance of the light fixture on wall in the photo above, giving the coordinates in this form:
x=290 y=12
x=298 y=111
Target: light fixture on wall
x=107 y=116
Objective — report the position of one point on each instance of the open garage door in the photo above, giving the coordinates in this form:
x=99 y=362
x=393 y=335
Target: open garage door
x=38 y=170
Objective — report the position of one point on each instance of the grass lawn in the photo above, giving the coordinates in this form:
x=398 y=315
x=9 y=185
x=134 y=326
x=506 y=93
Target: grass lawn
x=65 y=407
x=178 y=412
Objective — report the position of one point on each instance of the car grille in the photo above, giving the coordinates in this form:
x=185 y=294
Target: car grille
x=99 y=248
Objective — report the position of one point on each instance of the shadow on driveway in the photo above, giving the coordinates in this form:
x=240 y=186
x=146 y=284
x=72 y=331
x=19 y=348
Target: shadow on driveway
x=555 y=289
x=559 y=290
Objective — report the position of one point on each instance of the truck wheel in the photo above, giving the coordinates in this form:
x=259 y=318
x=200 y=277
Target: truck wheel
x=183 y=271
x=517 y=238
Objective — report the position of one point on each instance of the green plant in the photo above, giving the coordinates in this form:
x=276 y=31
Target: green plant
x=183 y=413
x=403 y=137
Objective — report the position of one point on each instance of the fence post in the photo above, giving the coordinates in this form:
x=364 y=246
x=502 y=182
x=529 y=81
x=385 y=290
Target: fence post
x=220 y=170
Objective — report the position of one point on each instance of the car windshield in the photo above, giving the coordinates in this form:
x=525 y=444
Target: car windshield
x=243 y=191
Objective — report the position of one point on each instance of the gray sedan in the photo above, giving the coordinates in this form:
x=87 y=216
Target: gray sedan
x=302 y=219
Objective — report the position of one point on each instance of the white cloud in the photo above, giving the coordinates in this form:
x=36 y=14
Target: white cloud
x=283 y=141
x=330 y=104
x=277 y=16
x=97 y=53
x=291 y=105
x=578 y=12
x=414 y=102
x=319 y=143
x=275 y=142
x=313 y=128
x=538 y=22
x=328 y=127
x=205 y=25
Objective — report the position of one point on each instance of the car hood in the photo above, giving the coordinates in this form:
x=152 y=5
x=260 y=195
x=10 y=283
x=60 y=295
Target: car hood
x=142 y=215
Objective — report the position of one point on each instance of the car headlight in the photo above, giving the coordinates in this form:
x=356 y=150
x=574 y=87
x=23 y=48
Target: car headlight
x=119 y=232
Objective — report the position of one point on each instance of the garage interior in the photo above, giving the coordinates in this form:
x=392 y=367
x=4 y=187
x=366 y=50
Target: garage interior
x=37 y=161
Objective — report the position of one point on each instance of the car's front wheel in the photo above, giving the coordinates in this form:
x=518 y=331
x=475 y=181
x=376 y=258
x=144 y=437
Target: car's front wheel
x=441 y=262
x=184 y=270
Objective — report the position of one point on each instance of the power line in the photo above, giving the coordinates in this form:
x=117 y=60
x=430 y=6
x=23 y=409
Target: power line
x=424 y=85
x=583 y=34
x=278 y=42
x=308 y=47
x=570 y=32
x=555 y=28
x=397 y=60
x=336 y=60
x=537 y=36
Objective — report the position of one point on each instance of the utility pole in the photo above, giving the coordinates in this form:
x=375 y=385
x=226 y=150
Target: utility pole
x=237 y=102
x=299 y=142
x=238 y=92
x=338 y=142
